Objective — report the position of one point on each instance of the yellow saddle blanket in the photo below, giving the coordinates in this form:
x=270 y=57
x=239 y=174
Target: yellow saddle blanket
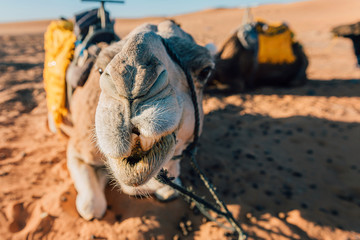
x=275 y=43
x=59 y=49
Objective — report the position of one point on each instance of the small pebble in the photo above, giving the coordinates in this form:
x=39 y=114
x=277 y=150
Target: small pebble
x=267 y=152
x=323 y=210
x=183 y=229
x=259 y=207
x=287 y=193
x=241 y=192
x=269 y=193
x=297 y=174
x=96 y=237
x=4 y=174
x=250 y=156
x=189 y=225
x=334 y=212
x=311 y=92
x=304 y=205
x=118 y=217
x=281 y=215
x=278 y=131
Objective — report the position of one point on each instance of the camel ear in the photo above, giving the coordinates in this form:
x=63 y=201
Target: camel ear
x=195 y=58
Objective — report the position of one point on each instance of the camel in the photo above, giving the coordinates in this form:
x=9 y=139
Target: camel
x=351 y=31
x=237 y=66
x=135 y=114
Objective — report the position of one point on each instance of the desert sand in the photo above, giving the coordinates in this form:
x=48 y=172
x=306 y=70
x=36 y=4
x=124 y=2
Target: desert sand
x=285 y=161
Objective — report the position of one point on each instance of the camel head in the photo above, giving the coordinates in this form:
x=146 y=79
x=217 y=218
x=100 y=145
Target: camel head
x=145 y=114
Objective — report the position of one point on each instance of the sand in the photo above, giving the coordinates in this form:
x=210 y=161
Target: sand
x=285 y=161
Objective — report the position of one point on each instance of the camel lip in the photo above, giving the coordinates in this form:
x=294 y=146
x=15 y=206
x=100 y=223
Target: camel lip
x=141 y=166
x=133 y=160
x=136 y=156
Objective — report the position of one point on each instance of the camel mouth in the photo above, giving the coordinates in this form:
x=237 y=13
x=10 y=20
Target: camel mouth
x=141 y=166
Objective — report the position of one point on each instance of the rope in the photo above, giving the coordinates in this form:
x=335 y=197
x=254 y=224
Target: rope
x=173 y=55
x=190 y=152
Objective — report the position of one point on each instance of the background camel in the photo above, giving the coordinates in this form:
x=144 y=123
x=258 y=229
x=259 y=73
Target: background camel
x=144 y=115
x=351 y=31
x=237 y=65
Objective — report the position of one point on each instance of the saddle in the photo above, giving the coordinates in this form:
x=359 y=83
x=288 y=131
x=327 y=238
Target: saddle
x=70 y=52
x=89 y=33
x=272 y=43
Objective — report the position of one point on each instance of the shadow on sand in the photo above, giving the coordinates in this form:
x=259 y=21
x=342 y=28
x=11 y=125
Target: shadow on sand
x=269 y=166
x=313 y=87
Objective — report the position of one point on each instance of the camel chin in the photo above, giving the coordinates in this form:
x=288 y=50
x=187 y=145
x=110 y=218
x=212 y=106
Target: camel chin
x=140 y=166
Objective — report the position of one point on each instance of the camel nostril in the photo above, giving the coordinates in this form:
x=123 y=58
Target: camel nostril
x=136 y=131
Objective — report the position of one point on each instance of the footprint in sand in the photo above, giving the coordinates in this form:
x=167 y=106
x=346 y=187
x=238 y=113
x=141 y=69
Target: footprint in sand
x=19 y=216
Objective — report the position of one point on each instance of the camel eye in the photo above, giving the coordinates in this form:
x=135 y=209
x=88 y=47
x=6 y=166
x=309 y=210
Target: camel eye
x=205 y=74
x=100 y=70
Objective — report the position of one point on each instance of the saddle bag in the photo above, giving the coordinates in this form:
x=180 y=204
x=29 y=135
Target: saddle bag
x=59 y=50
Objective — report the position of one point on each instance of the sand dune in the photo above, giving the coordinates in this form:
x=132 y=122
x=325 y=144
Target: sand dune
x=286 y=161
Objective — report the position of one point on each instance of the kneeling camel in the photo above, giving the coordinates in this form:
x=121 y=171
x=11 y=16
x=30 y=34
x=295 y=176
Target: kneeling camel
x=138 y=99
